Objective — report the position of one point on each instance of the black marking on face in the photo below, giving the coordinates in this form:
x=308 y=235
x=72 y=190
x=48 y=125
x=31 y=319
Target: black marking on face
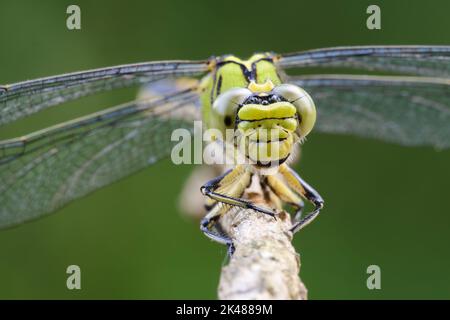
x=262 y=119
x=263 y=100
x=271 y=163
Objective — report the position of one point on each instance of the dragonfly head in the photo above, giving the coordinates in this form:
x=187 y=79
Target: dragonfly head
x=266 y=124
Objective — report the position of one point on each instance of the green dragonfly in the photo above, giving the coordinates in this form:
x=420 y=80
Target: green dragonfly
x=407 y=102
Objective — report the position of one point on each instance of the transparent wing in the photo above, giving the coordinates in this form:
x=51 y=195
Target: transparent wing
x=25 y=98
x=414 y=60
x=405 y=110
x=41 y=172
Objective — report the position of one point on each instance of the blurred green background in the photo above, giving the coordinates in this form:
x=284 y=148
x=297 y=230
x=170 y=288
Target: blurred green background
x=386 y=204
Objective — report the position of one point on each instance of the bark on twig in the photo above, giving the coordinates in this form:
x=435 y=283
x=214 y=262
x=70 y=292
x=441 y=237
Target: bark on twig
x=264 y=265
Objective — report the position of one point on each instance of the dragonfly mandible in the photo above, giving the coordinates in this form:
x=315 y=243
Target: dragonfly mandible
x=407 y=102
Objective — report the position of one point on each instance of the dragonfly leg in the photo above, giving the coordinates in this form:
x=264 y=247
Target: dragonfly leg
x=298 y=213
x=212 y=189
x=225 y=191
x=210 y=222
x=295 y=182
x=233 y=182
x=286 y=194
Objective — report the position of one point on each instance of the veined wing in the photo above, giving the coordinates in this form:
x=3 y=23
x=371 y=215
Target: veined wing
x=41 y=172
x=25 y=98
x=404 y=110
x=414 y=60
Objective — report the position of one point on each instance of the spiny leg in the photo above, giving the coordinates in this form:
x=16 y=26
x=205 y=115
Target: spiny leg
x=233 y=183
x=298 y=213
x=215 y=211
x=210 y=221
x=286 y=195
x=294 y=181
x=209 y=189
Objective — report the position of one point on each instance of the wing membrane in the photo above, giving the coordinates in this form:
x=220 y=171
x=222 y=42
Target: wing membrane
x=414 y=60
x=41 y=172
x=25 y=98
x=405 y=110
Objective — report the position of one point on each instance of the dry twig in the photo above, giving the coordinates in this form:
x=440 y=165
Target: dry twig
x=264 y=265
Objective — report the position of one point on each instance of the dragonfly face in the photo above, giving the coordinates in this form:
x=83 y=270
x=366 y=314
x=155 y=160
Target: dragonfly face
x=267 y=117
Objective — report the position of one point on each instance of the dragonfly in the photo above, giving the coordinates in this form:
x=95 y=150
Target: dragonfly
x=405 y=100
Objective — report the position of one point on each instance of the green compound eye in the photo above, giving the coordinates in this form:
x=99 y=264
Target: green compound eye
x=225 y=107
x=306 y=110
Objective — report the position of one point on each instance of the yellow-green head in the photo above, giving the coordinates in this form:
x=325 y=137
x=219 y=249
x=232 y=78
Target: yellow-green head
x=267 y=117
